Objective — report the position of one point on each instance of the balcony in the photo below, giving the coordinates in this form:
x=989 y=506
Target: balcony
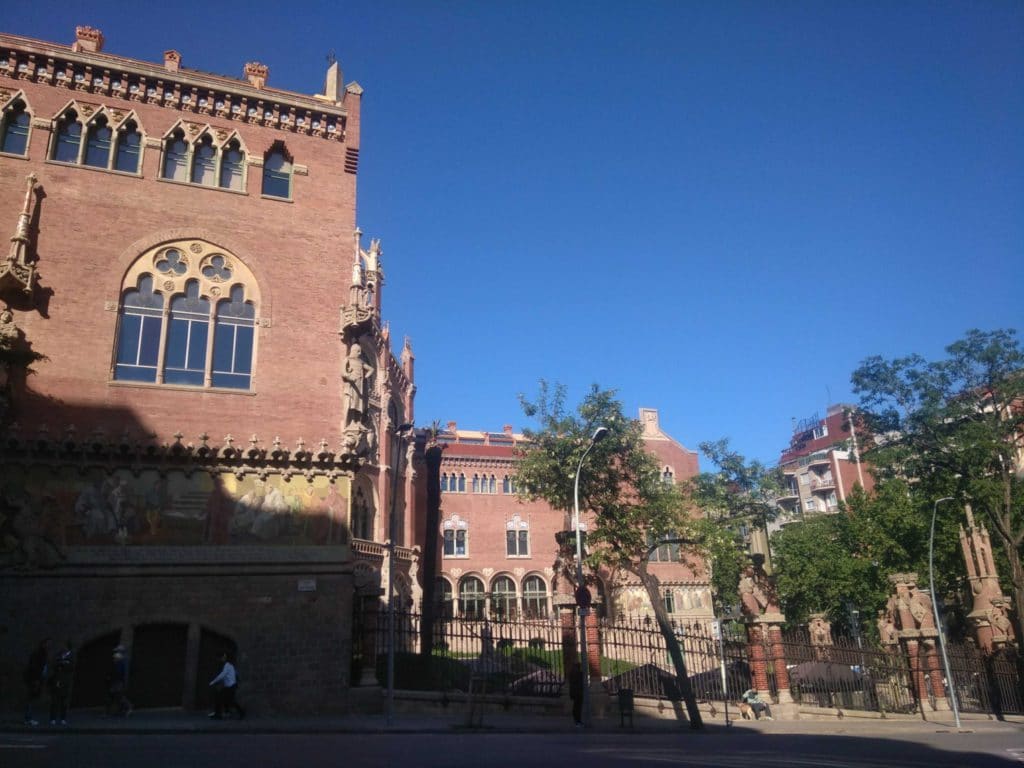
x=820 y=458
x=826 y=483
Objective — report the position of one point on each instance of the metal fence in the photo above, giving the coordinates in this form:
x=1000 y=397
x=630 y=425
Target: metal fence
x=522 y=657
x=848 y=674
x=526 y=657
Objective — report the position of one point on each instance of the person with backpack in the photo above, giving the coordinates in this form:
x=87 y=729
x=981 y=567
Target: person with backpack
x=60 y=686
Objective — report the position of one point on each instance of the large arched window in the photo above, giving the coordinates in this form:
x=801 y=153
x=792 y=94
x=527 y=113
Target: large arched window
x=98 y=143
x=471 y=598
x=503 y=599
x=535 y=598
x=171 y=298
x=14 y=128
x=443 y=598
x=277 y=173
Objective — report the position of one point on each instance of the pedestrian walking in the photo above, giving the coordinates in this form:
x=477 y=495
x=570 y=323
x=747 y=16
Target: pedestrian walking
x=35 y=676
x=225 y=687
x=117 y=680
x=60 y=686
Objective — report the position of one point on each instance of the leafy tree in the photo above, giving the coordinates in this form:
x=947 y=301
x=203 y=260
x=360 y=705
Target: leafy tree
x=633 y=511
x=955 y=427
x=739 y=493
x=828 y=563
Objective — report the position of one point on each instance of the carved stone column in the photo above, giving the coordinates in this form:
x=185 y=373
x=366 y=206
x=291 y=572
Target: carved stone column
x=912 y=616
x=989 y=617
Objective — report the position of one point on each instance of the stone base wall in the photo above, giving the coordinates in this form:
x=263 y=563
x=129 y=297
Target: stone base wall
x=288 y=611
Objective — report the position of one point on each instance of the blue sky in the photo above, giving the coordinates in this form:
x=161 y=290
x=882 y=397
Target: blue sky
x=718 y=209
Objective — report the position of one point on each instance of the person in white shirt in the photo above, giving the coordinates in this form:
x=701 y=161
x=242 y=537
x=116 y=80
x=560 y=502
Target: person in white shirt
x=225 y=685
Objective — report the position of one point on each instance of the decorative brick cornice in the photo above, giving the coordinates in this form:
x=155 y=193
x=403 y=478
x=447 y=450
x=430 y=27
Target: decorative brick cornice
x=173 y=88
x=137 y=454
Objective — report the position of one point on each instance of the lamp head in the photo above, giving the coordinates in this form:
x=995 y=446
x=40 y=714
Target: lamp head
x=599 y=434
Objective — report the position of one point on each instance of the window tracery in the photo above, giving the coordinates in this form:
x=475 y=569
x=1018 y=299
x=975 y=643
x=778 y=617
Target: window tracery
x=188 y=317
x=197 y=154
x=97 y=137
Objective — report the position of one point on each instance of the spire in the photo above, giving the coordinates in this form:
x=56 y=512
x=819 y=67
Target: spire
x=16 y=271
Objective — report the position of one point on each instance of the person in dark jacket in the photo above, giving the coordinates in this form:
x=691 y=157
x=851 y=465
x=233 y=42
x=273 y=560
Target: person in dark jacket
x=35 y=676
x=60 y=686
x=117 y=680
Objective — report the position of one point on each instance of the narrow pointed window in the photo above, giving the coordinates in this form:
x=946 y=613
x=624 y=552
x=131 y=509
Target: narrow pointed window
x=204 y=162
x=98 y=143
x=176 y=157
x=231 y=163
x=141 y=326
x=14 y=129
x=233 y=341
x=187 y=337
x=277 y=174
x=129 y=146
x=69 y=138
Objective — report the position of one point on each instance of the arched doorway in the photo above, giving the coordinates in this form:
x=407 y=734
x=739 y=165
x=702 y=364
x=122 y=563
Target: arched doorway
x=92 y=666
x=157 y=677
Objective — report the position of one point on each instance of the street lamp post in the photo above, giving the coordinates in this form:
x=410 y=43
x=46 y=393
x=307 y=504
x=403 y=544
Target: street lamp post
x=935 y=608
x=581 y=590
x=400 y=432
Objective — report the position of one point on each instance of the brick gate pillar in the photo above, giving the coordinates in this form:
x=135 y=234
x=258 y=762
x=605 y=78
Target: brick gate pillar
x=758 y=662
x=778 y=654
x=933 y=668
x=593 y=647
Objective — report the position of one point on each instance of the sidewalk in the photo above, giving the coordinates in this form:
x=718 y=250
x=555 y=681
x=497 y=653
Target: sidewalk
x=169 y=721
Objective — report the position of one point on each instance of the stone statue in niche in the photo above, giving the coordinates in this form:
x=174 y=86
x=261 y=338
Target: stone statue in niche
x=1002 y=629
x=758 y=596
x=820 y=629
x=359 y=438
x=355 y=375
x=887 y=631
x=921 y=608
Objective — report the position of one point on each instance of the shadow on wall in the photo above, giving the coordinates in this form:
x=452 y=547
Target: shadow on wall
x=159 y=668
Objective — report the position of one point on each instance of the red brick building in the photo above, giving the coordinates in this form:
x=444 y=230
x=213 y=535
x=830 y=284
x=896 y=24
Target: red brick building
x=821 y=465
x=499 y=552
x=213 y=421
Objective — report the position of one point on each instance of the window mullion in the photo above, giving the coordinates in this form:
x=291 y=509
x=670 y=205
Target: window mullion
x=165 y=328
x=212 y=326
x=83 y=143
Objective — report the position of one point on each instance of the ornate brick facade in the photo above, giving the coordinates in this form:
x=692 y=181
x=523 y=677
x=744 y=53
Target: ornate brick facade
x=188 y=460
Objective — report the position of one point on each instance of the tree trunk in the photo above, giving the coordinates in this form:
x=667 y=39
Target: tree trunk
x=672 y=644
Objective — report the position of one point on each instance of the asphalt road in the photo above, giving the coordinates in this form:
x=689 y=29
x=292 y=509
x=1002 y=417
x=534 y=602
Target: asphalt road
x=481 y=750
